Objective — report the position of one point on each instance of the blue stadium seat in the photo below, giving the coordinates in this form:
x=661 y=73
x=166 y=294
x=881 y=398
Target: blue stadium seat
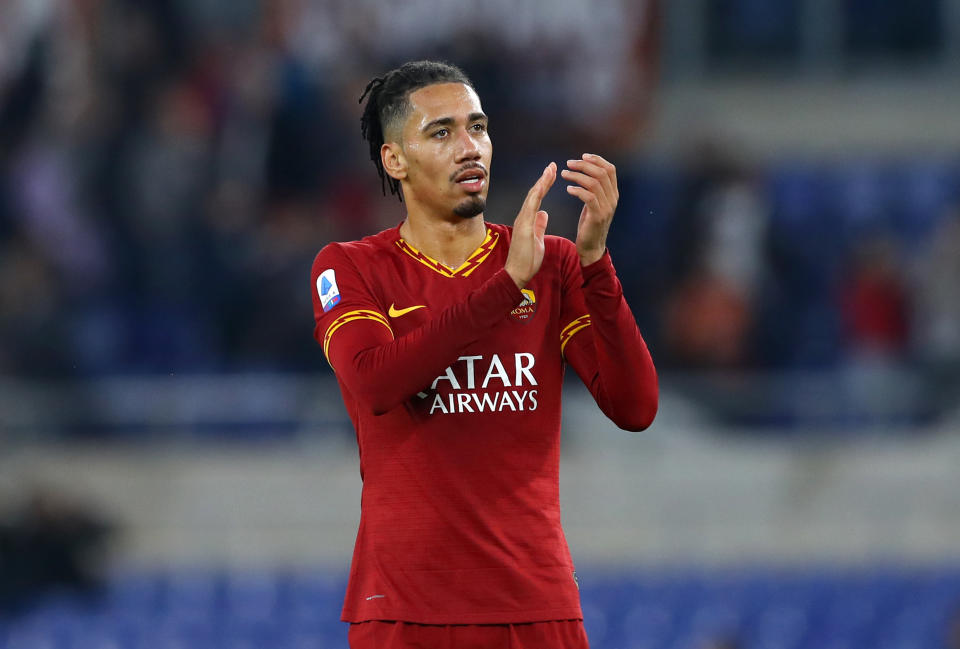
x=859 y=194
x=239 y=633
x=923 y=192
x=798 y=193
x=597 y=624
x=183 y=636
x=30 y=639
x=715 y=620
x=668 y=608
x=253 y=596
x=192 y=594
x=132 y=597
x=300 y=640
x=648 y=625
x=780 y=625
x=313 y=602
x=104 y=639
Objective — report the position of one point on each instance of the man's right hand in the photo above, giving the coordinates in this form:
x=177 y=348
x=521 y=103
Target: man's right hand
x=526 y=245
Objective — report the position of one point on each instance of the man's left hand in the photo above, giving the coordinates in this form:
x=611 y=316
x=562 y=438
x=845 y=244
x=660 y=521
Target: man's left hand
x=595 y=183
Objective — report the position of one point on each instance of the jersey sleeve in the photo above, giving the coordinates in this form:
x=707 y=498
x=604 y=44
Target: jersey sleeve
x=599 y=338
x=342 y=301
x=574 y=316
x=381 y=370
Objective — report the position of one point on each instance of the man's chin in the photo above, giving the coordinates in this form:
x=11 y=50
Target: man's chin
x=471 y=207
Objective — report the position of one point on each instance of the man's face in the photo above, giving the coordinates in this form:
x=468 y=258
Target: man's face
x=447 y=150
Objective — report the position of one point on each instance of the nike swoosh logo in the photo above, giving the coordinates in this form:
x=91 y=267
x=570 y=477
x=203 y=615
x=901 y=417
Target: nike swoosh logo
x=396 y=313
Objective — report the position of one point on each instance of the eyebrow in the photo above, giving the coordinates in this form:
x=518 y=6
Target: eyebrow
x=449 y=121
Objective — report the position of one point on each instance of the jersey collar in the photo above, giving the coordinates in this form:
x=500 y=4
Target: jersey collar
x=463 y=270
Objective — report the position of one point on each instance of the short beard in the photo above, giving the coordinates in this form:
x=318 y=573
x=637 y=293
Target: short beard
x=471 y=207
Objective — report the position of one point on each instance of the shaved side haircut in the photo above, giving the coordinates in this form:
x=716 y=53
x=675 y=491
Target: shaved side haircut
x=388 y=105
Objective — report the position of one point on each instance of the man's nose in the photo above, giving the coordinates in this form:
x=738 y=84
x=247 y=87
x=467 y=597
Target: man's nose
x=467 y=147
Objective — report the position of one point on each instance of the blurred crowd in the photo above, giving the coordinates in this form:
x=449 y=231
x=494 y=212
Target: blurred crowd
x=50 y=542
x=168 y=169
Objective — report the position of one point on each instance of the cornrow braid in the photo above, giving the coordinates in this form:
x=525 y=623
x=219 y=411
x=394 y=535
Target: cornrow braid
x=388 y=101
x=372 y=132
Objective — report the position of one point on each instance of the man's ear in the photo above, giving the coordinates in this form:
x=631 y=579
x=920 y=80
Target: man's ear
x=394 y=162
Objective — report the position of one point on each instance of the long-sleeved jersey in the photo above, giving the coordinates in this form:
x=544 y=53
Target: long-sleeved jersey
x=452 y=379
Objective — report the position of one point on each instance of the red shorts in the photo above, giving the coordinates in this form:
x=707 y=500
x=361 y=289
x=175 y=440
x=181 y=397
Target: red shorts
x=559 y=634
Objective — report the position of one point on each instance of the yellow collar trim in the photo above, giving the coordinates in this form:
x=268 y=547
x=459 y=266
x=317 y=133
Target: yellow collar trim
x=467 y=267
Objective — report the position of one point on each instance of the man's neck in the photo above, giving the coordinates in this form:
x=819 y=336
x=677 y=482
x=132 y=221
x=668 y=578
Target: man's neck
x=448 y=241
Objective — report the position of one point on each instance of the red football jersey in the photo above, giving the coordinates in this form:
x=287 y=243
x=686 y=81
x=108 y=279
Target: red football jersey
x=452 y=379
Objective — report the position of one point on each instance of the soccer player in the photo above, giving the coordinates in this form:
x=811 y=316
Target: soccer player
x=449 y=336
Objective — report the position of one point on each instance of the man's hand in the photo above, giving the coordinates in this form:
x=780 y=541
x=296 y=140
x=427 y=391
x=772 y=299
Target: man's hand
x=526 y=246
x=596 y=185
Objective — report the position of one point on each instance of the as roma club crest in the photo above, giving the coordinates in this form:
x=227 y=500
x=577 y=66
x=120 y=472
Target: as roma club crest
x=527 y=307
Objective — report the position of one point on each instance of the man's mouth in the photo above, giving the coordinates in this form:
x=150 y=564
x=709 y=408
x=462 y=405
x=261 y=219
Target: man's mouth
x=471 y=179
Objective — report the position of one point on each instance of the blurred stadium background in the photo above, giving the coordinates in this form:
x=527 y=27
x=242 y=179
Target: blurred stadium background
x=176 y=469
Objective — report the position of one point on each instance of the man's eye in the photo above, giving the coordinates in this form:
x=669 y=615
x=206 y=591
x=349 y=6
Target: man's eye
x=441 y=133
x=479 y=128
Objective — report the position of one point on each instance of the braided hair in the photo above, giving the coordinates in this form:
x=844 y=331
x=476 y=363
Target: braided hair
x=388 y=103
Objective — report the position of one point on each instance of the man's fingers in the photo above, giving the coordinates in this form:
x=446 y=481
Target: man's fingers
x=588 y=167
x=540 y=224
x=589 y=183
x=603 y=175
x=540 y=188
x=594 y=165
x=527 y=247
x=545 y=181
x=584 y=195
x=599 y=160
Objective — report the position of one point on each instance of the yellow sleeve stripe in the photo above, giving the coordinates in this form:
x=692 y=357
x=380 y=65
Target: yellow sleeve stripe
x=568 y=332
x=576 y=322
x=350 y=316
